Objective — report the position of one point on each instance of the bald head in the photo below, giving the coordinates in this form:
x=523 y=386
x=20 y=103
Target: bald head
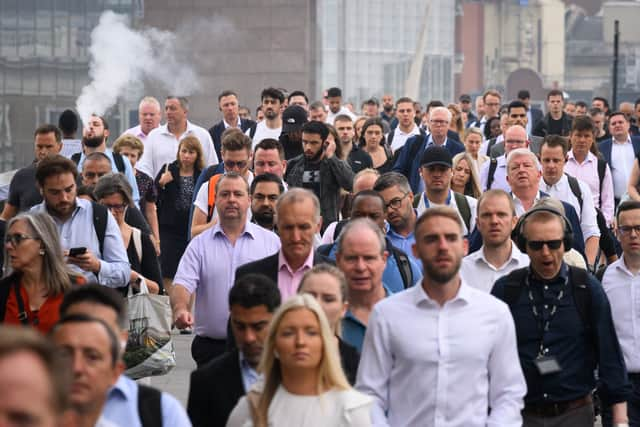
x=515 y=137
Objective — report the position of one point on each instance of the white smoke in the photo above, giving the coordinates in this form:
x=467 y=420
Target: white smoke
x=121 y=56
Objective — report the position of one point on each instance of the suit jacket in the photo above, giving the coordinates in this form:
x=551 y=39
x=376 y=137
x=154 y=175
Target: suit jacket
x=535 y=143
x=215 y=390
x=269 y=266
x=605 y=147
x=216 y=133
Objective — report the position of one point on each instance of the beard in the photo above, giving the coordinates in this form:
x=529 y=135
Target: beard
x=315 y=158
x=388 y=108
x=264 y=218
x=92 y=142
x=438 y=275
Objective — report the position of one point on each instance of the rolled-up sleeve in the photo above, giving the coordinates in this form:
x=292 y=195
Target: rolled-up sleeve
x=114 y=265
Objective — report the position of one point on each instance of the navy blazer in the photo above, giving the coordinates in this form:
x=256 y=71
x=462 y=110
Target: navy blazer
x=410 y=167
x=605 y=147
x=216 y=133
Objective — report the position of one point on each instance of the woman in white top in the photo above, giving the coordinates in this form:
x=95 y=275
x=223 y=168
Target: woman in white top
x=472 y=143
x=303 y=382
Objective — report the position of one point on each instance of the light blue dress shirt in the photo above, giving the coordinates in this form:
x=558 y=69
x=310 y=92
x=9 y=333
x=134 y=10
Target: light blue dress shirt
x=74 y=232
x=121 y=407
x=249 y=375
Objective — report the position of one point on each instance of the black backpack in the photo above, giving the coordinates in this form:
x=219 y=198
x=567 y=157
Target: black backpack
x=149 y=406
x=117 y=159
x=493 y=164
x=463 y=207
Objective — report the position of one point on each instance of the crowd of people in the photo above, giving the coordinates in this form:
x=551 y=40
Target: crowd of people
x=388 y=265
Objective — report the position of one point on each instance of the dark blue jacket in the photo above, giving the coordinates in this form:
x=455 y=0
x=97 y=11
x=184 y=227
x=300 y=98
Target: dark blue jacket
x=216 y=133
x=408 y=164
x=605 y=147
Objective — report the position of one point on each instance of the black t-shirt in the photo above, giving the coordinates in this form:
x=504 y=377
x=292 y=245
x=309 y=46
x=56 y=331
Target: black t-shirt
x=23 y=191
x=311 y=177
x=555 y=126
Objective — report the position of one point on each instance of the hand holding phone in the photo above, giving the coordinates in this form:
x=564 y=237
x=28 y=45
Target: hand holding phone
x=74 y=252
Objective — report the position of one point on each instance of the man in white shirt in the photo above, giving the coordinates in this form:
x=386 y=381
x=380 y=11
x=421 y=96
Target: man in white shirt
x=436 y=170
x=498 y=256
x=553 y=156
x=426 y=345
x=621 y=283
x=491 y=101
x=407 y=127
x=271 y=127
x=161 y=145
x=334 y=96
x=149 y=115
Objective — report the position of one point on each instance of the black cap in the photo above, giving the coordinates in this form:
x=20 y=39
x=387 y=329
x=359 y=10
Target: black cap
x=464 y=98
x=293 y=118
x=435 y=155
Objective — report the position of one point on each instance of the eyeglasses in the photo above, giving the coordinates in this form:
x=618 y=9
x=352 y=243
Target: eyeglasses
x=536 y=245
x=627 y=230
x=17 y=238
x=117 y=208
x=439 y=122
x=91 y=175
x=232 y=165
x=395 y=203
x=514 y=142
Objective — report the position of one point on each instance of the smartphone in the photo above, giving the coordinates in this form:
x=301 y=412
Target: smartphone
x=77 y=251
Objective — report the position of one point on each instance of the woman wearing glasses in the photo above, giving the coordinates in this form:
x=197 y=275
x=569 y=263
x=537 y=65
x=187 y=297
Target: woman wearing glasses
x=36 y=274
x=114 y=192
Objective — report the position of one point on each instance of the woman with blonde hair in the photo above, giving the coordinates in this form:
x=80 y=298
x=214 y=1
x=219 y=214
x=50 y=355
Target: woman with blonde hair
x=456 y=124
x=328 y=285
x=465 y=178
x=472 y=143
x=303 y=382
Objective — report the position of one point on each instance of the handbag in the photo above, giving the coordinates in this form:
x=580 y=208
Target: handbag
x=150 y=350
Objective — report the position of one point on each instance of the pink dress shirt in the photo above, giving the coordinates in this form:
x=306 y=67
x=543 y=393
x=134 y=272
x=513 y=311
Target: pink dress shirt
x=289 y=280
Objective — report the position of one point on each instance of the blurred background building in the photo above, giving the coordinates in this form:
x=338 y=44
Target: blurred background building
x=366 y=47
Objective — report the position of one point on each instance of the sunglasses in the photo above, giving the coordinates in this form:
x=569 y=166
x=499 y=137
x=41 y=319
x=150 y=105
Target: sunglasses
x=240 y=165
x=536 y=245
x=16 y=239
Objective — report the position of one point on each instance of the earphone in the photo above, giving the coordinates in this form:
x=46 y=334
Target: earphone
x=517 y=235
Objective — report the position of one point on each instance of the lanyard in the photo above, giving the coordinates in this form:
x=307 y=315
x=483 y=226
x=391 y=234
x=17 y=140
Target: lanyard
x=538 y=315
x=426 y=201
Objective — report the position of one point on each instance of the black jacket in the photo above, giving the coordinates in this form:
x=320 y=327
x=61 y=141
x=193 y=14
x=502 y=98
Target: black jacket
x=216 y=133
x=167 y=196
x=359 y=159
x=215 y=390
x=269 y=266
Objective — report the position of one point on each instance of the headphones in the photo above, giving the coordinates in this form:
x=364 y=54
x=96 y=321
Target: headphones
x=517 y=235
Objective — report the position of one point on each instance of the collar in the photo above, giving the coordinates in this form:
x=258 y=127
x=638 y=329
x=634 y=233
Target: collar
x=622 y=266
x=627 y=141
x=590 y=157
x=123 y=387
x=446 y=202
x=420 y=296
x=249 y=229
x=558 y=185
x=165 y=129
x=515 y=254
x=414 y=131
x=431 y=142
x=244 y=363
x=283 y=263
x=226 y=125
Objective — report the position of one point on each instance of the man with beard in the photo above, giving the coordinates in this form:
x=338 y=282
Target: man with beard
x=208 y=267
x=319 y=170
x=387 y=112
x=216 y=387
x=265 y=190
x=293 y=118
x=94 y=139
x=426 y=345
x=82 y=224
x=271 y=101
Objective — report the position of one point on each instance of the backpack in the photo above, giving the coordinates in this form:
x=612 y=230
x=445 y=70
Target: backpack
x=575 y=189
x=149 y=406
x=493 y=165
x=581 y=292
x=117 y=159
x=100 y=218
x=463 y=208
x=211 y=198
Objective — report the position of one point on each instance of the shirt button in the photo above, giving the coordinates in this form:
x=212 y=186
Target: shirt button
x=546 y=288
x=545 y=396
x=546 y=306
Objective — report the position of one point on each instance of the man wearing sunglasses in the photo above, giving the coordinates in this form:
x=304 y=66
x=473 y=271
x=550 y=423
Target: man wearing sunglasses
x=236 y=157
x=564 y=329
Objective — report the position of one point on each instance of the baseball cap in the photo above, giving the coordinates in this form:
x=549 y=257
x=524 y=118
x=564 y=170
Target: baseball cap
x=293 y=118
x=436 y=156
x=465 y=98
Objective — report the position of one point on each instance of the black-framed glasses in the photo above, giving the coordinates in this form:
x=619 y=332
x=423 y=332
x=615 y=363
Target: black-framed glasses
x=628 y=229
x=232 y=165
x=536 y=245
x=91 y=175
x=395 y=203
x=117 y=208
x=17 y=238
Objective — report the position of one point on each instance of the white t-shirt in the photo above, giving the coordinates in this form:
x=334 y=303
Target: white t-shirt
x=263 y=132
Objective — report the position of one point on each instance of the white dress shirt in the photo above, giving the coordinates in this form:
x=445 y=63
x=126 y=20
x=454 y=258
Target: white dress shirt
x=427 y=365
x=400 y=137
x=623 y=290
x=481 y=274
x=161 y=147
x=137 y=132
x=622 y=158
x=587 y=212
